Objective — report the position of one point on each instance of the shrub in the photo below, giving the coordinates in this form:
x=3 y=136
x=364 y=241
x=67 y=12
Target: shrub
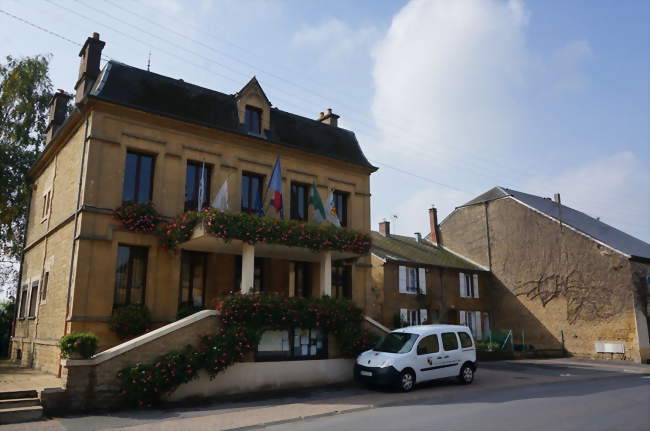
x=186 y=309
x=245 y=318
x=130 y=321
x=85 y=344
x=138 y=217
x=486 y=345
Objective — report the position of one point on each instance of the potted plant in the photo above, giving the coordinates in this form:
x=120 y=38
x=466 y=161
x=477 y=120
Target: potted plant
x=78 y=345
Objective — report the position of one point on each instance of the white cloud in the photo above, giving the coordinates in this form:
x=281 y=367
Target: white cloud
x=614 y=188
x=448 y=73
x=335 y=40
x=566 y=66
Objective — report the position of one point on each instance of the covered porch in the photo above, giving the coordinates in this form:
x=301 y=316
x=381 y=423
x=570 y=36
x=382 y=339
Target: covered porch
x=236 y=265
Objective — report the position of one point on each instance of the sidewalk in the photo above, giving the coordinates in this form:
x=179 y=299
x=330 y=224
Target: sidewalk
x=331 y=401
x=14 y=378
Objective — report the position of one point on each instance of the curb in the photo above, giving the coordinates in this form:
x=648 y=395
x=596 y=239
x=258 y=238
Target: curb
x=301 y=418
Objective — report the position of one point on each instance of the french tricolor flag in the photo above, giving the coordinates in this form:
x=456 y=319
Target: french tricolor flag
x=274 y=190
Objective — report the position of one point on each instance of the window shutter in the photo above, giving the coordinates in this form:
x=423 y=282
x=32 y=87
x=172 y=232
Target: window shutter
x=423 y=316
x=486 y=323
x=423 y=281
x=461 y=317
x=475 y=285
x=403 y=316
x=479 y=332
x=402 y=279
x=461 y=279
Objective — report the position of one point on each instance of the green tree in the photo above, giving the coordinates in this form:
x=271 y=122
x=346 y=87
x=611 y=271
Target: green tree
x=25 y=91
x=6 y=320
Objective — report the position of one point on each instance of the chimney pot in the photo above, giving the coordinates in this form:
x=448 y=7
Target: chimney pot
x=58 y=112
x=91 y=54
x=330 y=118
x=433 y=225
x=322 y=114
x=418 y=237
x=329 y=111
x=384 y=228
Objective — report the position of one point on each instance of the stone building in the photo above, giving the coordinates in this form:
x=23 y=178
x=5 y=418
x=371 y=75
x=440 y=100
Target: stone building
x=417 y=281
x=565 y=279
x=134 y=135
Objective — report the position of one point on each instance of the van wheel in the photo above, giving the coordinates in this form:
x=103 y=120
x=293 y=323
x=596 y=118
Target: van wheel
x=406 y=381
x=466 y=375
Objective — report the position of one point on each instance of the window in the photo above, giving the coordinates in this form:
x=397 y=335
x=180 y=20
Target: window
x=253 y=120
x=341 y=204
x=47 y=205
x=449 y=341
x=468 y=285
x=411 y=279
x=342 y=281
x=396 y=342
x=197 y=186
x=257 y=274
x=292 y=344
x=465 y=339
x=138 y=178
x=302 y=272
x=46 y=278
x=472 y=319
x=251 y=192
x=130 y=275
x=193 y=266
x=428 y=344
x=299 y=201
x=23 y=300
x=33 y=299
x=412 y=317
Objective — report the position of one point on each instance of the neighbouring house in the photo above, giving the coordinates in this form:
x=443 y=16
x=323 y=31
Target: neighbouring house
x=134 y=136
x=417 y=281
x=562 y=278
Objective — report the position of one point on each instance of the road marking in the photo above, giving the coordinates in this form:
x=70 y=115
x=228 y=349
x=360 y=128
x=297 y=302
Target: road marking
x=565 y=375
x=645 y=377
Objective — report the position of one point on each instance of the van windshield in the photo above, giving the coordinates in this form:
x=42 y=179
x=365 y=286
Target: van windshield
x=396 y=342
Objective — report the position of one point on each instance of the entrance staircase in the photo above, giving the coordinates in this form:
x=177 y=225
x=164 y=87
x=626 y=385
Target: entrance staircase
x=20 y=406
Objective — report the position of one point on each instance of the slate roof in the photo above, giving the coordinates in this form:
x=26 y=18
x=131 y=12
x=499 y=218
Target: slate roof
x=139 y=89
x=405 y=249
x=580 y=221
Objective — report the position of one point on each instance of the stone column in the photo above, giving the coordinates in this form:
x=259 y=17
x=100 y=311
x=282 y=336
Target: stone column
x=292 y=279
x=326 y=273
x=247 y=267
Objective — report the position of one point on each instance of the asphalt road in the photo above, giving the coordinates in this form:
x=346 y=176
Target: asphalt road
x=562 y=394
x=609 y=403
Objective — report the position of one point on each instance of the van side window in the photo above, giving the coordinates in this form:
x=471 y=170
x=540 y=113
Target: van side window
x=428 y=345
x=465 y=339
x=449 y=341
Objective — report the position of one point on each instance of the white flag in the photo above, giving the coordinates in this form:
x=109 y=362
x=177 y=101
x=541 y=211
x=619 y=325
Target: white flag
x=332 y=216
x=221 y=199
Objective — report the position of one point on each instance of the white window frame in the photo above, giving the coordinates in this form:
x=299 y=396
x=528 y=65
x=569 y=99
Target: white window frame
x=468 y=284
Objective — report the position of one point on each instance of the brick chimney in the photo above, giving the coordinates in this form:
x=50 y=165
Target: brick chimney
x=384 y=228
x=91 y=54
x=433 y=225
x=58 y=112
x=330 y=118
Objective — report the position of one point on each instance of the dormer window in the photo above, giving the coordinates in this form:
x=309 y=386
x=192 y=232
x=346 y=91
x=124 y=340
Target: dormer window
x=253 y=120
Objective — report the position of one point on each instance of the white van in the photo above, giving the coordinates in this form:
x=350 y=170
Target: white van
x=417 y=354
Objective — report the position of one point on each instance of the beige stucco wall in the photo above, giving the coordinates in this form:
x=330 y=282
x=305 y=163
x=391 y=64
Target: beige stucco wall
x=48 y=249
x=249 y=377
x=550 y=282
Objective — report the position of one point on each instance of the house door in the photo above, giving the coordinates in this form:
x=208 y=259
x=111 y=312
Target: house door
x=452 y=317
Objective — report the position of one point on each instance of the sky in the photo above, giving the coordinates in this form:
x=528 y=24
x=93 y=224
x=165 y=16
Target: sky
x=448 y=98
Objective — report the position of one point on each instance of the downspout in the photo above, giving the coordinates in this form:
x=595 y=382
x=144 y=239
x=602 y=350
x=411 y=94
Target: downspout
x=74 y=234
x=487 y=236
x=22 y=260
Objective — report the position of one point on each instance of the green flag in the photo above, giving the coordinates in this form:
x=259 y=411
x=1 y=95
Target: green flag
x=314 y=199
